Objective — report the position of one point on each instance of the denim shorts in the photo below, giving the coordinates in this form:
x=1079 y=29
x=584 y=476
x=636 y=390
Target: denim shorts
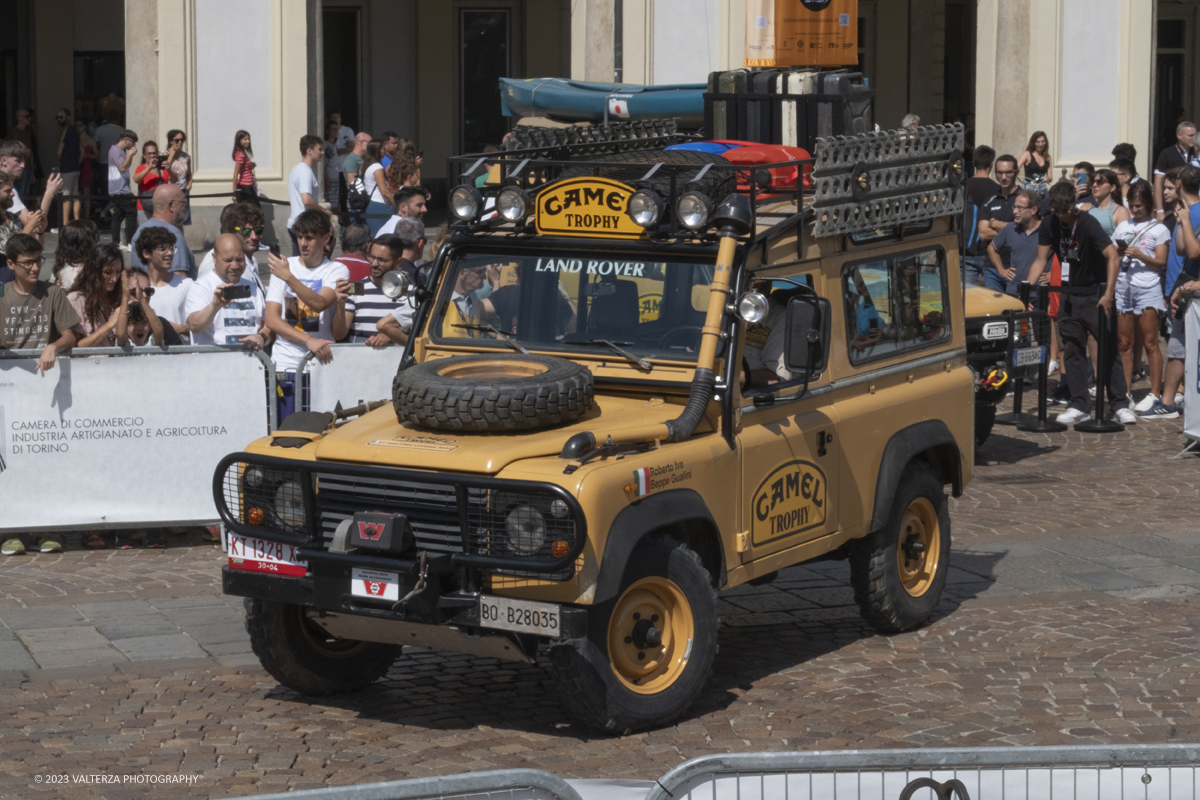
x=1135 y=299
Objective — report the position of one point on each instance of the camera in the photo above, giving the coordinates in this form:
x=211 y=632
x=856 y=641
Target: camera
x=239 y=292
x=358 y=288
x=274 y=249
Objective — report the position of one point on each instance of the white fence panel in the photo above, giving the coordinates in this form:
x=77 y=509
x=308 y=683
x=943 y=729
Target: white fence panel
x=357 y=374
x=105 y=442
x=1191 y=372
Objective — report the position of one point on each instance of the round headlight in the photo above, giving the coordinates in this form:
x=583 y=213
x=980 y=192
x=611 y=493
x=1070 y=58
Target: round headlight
x=752 y=307
x=289 y=504
x=694 y=210
x=465 y=203
x=512 y=204
x=645 y=208
x=526 y=529
x=558 y=508
x=254 y=477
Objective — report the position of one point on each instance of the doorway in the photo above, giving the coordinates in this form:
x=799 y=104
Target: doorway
x=99 y=86
x=1173 y=73
x=341 y=35
x=485 y=54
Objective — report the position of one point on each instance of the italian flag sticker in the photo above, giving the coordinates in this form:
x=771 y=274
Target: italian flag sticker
x=641 y=479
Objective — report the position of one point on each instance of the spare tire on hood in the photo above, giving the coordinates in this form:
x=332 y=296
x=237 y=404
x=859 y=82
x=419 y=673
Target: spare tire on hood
x=492 y=392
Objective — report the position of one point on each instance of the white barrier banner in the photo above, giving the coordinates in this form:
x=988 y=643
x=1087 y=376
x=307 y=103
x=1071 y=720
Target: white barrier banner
x=104 y=441
x=1191 y=371
x=357 y=374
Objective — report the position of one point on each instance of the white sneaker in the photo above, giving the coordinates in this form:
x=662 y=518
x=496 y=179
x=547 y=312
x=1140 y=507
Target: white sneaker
x=1179 y=399
x=1073 y=415
x=1146 y=403
x=1126 y=417
x=1052 y=368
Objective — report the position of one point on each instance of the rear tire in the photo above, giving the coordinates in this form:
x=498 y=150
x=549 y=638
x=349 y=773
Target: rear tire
x=617 y=680
x=898 y=572
x=303 y=657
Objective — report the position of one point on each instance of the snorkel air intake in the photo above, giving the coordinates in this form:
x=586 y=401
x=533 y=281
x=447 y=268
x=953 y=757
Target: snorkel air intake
x=734 y=218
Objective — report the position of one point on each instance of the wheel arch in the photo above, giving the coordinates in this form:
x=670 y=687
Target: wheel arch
x=929 y=440
x=680 y=514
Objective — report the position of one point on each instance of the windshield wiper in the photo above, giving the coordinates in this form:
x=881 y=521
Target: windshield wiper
x=616 y=347
x=513 y=343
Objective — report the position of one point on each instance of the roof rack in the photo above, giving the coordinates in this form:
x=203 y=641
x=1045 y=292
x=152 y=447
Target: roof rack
x=856 y=184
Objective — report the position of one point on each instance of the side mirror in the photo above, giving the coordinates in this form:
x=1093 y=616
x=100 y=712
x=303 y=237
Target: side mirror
x=806 y=349
x=395 y=284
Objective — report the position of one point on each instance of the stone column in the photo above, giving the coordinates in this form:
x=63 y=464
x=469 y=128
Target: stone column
x=141 y=67
x=1010 y=98
x=598 y=44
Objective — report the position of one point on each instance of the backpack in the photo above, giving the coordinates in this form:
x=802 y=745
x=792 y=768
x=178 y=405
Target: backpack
x=357 y=197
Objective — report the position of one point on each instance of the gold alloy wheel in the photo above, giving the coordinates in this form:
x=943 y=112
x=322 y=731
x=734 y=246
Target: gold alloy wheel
x=650 y=635
x=918 y=547
x=492 y=370
x=327 y=645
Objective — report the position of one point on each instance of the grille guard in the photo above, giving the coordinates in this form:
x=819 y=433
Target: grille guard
x=312 y=538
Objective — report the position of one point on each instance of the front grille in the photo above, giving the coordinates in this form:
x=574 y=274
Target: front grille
x=431 y=508
x=433 y=512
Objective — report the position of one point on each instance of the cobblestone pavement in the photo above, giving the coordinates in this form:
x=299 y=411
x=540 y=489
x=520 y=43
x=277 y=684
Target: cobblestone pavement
x=1070 y=617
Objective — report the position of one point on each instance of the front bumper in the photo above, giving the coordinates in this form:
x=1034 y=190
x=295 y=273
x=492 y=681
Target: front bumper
x=327 y=589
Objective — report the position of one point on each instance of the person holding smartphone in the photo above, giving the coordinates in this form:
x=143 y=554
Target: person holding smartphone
x=150 y=173
x=226 y=307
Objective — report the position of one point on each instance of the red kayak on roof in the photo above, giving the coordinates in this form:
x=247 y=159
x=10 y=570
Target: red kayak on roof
x=783 y=179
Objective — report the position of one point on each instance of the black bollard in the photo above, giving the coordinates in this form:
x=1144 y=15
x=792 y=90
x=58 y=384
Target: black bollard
x=1016 y=417
x=1108 y=335
x=1041 y=424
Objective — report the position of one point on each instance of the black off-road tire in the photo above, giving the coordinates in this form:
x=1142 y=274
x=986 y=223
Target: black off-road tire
x=425 y=395
x=283 y=639
x=874 y=569
x=591 y=691
x=985 y=420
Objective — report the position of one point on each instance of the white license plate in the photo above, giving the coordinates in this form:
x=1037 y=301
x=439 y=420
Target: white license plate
x=257 y=555
x=1028 y=355
x=522 y=616
x=375 y=584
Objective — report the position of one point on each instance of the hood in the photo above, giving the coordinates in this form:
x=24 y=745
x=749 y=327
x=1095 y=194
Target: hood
x=378 y=438
x=981 y=302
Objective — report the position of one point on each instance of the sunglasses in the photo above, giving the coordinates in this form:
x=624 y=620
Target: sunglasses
x=179 y=139
x=246 y=231
x=148 y=291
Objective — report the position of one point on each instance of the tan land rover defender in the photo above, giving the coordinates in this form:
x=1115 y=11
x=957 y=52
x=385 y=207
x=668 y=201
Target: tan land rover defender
x=634 y=379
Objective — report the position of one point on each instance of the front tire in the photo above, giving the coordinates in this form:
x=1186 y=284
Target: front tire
x=303 y=657
x=898 y=572
x=649 y=651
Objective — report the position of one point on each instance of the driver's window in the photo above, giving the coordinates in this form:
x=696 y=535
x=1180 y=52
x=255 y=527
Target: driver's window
x=763 y=354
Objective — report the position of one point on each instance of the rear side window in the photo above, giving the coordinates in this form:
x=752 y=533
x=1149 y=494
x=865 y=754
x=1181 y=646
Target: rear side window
x=896 y=303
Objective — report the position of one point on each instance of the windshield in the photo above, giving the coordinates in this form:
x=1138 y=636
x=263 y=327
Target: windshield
x=650 y=309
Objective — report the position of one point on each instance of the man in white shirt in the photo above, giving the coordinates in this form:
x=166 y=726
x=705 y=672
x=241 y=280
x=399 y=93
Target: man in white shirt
x=303 y=189
x=246 y=221
x=156 y=246
x=410 y=202
x=236 y=317
x=302 y=303
x=14 y=155
x=345 y=135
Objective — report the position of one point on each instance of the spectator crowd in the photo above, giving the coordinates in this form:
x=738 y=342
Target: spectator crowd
x=144 y=288
x=1109 y=242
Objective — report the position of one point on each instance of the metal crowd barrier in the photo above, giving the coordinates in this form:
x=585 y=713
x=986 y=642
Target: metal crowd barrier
x=504 y=784
x=357 y=374
x=1087 y=772
x=89 y=352
x=108 y=425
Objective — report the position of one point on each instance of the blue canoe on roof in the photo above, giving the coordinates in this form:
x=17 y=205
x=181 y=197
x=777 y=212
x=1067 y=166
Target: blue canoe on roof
x=580 y=101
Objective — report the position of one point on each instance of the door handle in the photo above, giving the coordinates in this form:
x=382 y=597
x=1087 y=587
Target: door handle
x=823 y=439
